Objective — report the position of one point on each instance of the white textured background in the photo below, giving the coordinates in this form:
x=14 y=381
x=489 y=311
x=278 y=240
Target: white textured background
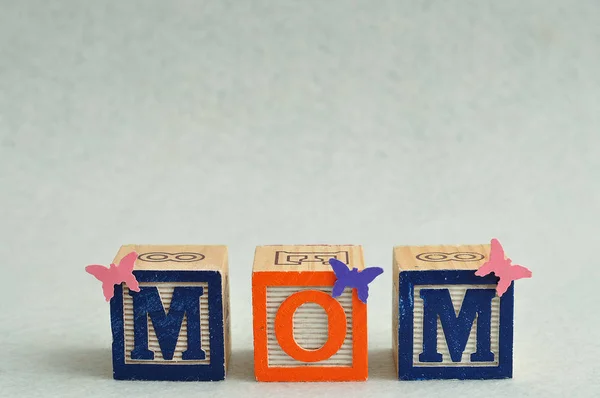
x=245 y=123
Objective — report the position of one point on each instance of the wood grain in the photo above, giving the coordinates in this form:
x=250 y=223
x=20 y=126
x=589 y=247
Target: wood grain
x=440 y=257
x=305 y=257
x=209 y=258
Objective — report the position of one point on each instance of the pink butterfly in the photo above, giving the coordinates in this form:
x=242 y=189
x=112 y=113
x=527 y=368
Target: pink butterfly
x=114 y=275
x=502 y=268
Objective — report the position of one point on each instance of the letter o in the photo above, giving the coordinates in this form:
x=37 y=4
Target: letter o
x=284 y=325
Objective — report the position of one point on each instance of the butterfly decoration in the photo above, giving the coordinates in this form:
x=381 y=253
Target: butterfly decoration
x=503 y=268
x=352 y=278
x=115 y=274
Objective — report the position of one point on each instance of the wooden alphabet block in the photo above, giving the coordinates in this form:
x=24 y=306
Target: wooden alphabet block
x=449 y=323
x=177 y=326
x=302 y=333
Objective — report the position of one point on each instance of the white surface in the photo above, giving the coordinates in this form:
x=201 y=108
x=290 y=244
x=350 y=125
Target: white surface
x=246 y=123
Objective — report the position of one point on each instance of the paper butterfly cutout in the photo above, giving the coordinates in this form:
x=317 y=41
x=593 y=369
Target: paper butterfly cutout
x=114 y=275
x=352 y=278
x=502 y=268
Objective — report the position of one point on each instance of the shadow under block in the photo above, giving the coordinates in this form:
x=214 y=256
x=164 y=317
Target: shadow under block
x=301 y=333
x=449 y=323
x=177 y=326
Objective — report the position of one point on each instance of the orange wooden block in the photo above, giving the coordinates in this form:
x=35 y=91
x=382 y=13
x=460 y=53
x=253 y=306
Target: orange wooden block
x=301 y=333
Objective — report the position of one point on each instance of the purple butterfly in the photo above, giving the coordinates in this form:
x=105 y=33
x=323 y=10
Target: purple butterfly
x=353 y=278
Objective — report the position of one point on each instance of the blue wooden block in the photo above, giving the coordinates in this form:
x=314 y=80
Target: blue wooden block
x=448 y=322
x=177 y=326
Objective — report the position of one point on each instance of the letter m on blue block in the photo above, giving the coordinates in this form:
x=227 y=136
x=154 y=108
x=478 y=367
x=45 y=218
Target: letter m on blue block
x=185 y=301
x=453 y=326
x=437 y=303
x=173 y=329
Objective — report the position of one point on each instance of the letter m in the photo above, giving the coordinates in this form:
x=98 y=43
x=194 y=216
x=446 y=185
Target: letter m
x=147 y=303
x=438 y=303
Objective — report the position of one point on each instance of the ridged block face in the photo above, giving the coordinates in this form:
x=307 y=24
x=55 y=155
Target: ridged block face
x=447 y=322
x=310 y=325
x=165 y=291
x=457 y=294
x=301 y=333
x=177 y=326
